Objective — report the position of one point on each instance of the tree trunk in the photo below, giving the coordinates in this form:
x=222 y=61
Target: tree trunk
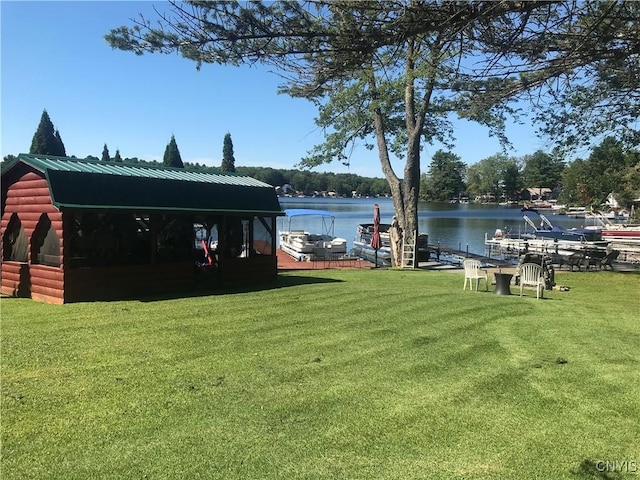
x=411 y=187
x=397 y=191
x=405 y=193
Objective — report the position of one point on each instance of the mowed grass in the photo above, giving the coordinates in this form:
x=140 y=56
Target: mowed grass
x=366 y=374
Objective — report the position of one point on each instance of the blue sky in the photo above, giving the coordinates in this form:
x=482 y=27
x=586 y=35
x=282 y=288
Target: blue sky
x=54 y=57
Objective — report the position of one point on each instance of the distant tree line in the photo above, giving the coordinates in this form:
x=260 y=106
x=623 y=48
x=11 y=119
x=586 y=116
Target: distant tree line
x=309 y=183
x=609 y=169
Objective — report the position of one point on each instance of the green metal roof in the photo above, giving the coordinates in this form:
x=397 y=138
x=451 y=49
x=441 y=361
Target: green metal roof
x=93 y=184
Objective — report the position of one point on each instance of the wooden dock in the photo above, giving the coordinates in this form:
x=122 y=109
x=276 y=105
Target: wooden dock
x=287 y=262
x=449 y=258
x=454 y=256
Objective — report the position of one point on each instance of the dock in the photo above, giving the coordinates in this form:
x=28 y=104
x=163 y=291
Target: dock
x=448 y=258
x=452 y=256
x=506 y=246
x=287 y=262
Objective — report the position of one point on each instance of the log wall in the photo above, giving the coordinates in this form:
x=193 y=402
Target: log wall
x=29 y=198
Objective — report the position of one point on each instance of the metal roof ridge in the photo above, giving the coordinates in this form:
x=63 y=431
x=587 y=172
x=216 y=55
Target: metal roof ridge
x=99 y=167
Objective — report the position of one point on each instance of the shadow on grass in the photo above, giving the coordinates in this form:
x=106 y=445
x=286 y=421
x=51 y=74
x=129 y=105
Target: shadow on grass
x=205 y=289
x=209 y=290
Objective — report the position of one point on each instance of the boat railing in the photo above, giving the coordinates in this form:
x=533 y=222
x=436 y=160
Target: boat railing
x=529 y=222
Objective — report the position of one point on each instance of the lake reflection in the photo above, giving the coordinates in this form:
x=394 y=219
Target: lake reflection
x=452 y=225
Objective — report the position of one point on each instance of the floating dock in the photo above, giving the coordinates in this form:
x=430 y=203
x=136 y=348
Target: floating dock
x=515 y=247
x=452 y=256
x=448 y=258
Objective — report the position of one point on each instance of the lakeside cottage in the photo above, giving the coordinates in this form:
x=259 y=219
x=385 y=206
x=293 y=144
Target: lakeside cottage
x=79 y=230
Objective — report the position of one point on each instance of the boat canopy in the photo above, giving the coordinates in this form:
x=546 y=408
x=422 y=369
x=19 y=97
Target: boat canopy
x=328 y=218
x=294 y=212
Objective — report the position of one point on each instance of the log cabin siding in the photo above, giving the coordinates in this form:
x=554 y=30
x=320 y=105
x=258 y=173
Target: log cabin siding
x=29 y=199
x=16 y=281
x=47 y=283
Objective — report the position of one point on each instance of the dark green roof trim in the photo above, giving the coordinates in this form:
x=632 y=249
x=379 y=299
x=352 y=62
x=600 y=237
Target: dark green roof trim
x=64 y=164
x=99 y=185
x=71 y=206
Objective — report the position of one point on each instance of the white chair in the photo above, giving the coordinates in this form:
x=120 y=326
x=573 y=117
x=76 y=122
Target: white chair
x=531 y=276
x=472 y=271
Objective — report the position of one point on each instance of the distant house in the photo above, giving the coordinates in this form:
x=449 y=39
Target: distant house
x=78 y=230
x=612 y=201
x=536 y=193
x=285 y=189
x=485 y=198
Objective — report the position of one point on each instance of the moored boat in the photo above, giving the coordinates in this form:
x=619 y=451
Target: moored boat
x=546 y=238
x=576 y=212
x=546 y=230
x=550 y=206
x=308 y=246
x=362 y=244
x=615 y=232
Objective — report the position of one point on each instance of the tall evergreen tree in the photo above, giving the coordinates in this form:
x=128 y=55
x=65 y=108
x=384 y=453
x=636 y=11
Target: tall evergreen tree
x=105 y=154
x=172 y=155
x=606 y=167
x=46 y=140
x=61 y=151
x=228 y=160
x=445 y=179
x=117 y=158
x=511 y=180
x=542 y=170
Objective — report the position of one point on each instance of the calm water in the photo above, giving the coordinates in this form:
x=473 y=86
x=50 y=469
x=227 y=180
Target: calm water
x=453 y=225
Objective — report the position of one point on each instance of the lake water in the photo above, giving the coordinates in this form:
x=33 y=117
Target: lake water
x=453 y=225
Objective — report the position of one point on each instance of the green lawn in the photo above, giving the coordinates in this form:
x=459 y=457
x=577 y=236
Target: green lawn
x=371 y=374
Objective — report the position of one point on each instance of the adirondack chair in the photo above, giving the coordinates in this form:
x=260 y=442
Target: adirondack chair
x=531 y=275
x=609 y=258
x=473 y=271
x=576 y=259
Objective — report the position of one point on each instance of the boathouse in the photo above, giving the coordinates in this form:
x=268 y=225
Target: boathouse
x=79 y=230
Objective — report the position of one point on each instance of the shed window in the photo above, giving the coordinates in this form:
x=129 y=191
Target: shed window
x=235 y=233
x=262 y=244
x=45 y=244
x=15 y=242
x=101 y=239
x=175 y=238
